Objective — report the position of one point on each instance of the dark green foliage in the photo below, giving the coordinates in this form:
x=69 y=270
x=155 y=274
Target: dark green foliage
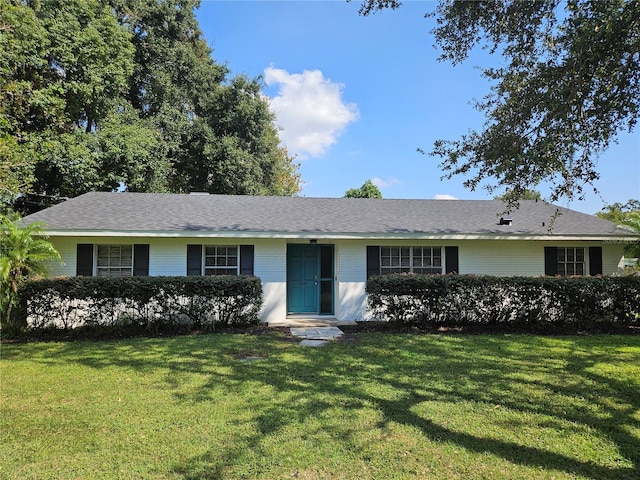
x=367 y=190
x=532 y=303
x=97 y=95
x=24 y=251
x=140 y=304
x=566 y=81
x=627 y=215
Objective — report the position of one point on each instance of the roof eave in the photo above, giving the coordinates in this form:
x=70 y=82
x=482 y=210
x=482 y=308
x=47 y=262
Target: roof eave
x=610 y=238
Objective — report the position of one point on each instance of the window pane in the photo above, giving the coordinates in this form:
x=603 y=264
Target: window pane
x=114 y=260
x=571 y=261
x=326 y=297
x=221 y=260
x=326 y=262
x=562 y=255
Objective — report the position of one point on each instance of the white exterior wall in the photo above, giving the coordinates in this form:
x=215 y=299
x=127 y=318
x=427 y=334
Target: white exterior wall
x=270 y=264
x=351 y=277
x=168 y=256
x=525 y=258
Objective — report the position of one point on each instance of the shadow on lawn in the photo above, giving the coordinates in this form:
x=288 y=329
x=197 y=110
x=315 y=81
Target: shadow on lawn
x=478 y=365
x=494 y=370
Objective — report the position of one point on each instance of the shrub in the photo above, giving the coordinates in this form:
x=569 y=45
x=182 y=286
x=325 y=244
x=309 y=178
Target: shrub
x=23 y=253
x=524 y=302
x=140 y=303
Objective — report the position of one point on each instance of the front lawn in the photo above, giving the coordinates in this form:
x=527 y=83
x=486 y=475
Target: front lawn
x=374 y=406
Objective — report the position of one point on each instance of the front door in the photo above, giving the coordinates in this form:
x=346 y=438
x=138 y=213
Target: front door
x=310 y=279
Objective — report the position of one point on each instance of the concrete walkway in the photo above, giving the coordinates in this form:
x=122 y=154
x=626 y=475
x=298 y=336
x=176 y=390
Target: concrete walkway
x=316 y=336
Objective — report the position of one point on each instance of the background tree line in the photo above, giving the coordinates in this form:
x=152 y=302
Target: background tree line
x=108 y=94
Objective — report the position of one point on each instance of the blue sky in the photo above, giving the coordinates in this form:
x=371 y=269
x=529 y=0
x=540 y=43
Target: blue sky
x=355 y=97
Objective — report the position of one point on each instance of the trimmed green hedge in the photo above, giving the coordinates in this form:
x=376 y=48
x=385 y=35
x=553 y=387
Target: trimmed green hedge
x=140 y=303
x=523 y=302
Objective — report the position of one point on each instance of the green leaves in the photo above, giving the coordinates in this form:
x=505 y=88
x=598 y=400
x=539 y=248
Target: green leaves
x=569 y=81
x=367 y=190
x=108 y=94
x=23 y=253
x=142 y=304
x=534 y=304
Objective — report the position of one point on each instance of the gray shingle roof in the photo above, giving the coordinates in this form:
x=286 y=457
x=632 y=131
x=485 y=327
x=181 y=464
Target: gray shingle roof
x=175 y=213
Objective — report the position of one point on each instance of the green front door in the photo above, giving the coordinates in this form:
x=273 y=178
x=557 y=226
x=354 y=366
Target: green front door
x=310 y=279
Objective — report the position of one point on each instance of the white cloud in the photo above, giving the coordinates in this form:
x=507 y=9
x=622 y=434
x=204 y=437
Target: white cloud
x=309 y=109
x=441 y=196
x=378 y=182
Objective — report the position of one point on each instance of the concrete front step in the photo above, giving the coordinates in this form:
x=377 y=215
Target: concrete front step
x=316 y=333
x=310 y=322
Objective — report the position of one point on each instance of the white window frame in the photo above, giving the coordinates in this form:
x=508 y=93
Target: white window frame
x=567 y=261
x=403 y=259
x=220 y=258
x=114 y=266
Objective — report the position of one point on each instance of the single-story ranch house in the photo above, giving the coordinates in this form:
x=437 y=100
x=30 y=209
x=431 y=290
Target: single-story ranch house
x=314 y=255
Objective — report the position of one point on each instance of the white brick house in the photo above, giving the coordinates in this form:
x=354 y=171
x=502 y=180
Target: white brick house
x=313 y=255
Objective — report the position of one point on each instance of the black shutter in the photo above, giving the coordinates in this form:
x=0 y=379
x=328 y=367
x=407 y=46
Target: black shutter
x=551 y=261
x=84 y=260
x=194 y=259
x=451 y=260
x=595 y=260
x=141 y=260
x=373 y=261
x=246 y=259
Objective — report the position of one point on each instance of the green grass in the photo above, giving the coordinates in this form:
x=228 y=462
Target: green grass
x=384 y=406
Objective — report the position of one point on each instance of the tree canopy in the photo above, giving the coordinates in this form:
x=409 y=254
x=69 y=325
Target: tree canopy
x=108 y=94
x=627 y=214
x=367 y=190
x=567 y=83
x=508 y=196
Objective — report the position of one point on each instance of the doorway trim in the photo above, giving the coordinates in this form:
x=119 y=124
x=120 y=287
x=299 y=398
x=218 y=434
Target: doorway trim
x=310 y=279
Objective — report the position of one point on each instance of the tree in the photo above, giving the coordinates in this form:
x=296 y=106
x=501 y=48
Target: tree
x=510 y=195
x=23 y=253
x=218 y=134
x=569 y=81
x=367 y=190
x=627 y=215
x=112 y=94
x=619 y=212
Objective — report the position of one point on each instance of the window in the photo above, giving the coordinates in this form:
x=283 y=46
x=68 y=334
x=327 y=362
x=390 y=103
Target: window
x=114 y=261
x=427 y=260
x=570 y=261
x=219 y=260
